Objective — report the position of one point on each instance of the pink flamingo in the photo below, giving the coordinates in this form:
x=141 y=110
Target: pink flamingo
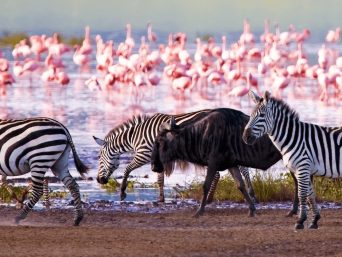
x=323 y=82
x=153 y=78
x=267 y=37
x=241 y=90
x=30 y=65
x=152 y=37
x=80 y=58
x=214 y=78
x=333 y=36
x=225 y=53
x=93 y=84
x=4 y=64
x=104 y=57
x=184 y=84
x=17 y=69
x=48 y=75
x=86 y=47
x=247 y=37
x=62 y=78
x=56 y=48
x=339 y=62
x=21 y=50
x=129 y=39
x=38 y=45
x=280 y=81
x=6 y=78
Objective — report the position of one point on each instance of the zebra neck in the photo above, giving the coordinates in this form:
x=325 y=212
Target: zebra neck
x=286 y=132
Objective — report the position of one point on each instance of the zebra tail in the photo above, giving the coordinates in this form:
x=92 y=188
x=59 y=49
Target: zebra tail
x=80 y=166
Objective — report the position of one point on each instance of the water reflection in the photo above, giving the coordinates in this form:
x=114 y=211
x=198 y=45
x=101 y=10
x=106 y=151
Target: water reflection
x=88 y=113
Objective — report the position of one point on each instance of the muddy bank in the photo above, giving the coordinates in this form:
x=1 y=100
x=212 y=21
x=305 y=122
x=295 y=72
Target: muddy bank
x=220 y=232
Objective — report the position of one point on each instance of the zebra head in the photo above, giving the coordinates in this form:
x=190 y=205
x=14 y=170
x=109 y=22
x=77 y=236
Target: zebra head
x=108 y=161
x=261 y=119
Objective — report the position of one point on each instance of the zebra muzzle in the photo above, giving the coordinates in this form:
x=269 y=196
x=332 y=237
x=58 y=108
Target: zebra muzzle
x=102 y=180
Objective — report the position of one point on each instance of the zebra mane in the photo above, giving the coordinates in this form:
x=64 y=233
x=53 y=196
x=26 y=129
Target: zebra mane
x=135 y=120
x=286 y=108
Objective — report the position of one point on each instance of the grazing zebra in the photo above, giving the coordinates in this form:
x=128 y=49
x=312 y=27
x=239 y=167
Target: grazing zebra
x=137 y=135
x=36 y=145
x=307 y=149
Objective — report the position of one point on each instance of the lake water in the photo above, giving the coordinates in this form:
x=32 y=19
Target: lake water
x=87 y=113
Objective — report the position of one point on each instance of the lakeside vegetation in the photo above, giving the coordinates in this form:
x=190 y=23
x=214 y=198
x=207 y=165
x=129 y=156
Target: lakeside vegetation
x=267 y=189
x=7 y=197
x=8 y=39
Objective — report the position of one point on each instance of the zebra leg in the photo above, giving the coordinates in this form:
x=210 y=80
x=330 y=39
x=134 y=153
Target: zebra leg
x=213 y=188
x=314 y=208
x=37 y=192
x=73 y=187
x=245 y=172
x=295 y=203
x=303 y=186
x=46 y=197
x=60 y=170
x=161 y=187
x=241 y=186
x=206 y=186
x=138 y=160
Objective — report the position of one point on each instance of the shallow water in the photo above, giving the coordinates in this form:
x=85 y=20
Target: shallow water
x=87 y=113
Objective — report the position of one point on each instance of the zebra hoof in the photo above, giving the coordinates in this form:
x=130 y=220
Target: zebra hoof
x=313 y=226
x=251 y=213
x=198 y=214
x=299 y=226
x=17 y=220
x=77 y=221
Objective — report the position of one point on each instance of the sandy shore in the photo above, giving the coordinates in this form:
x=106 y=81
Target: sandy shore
x=225 y=232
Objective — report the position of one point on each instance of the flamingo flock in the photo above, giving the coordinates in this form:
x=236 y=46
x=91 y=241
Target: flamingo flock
x=276 y=60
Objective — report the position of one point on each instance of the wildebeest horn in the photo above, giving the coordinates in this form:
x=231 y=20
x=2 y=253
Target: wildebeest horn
x=172 y=122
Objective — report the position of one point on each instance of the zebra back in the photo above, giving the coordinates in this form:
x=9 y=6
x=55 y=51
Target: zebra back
x=25 y=131
x=140 y=131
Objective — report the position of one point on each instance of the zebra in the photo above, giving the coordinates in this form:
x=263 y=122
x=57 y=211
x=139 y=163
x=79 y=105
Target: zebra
x=138 y=135
x=307 y=149
x=35 y=145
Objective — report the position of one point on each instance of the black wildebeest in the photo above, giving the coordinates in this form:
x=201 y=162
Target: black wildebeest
x=215 y=141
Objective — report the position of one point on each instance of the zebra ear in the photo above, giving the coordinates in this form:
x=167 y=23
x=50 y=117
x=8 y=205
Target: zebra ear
x=254 y=96
x=267 y=95
x=99 y=141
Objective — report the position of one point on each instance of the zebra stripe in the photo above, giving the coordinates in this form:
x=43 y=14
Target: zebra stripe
x=36 y=145
x=307 y=149
x=136 y=135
